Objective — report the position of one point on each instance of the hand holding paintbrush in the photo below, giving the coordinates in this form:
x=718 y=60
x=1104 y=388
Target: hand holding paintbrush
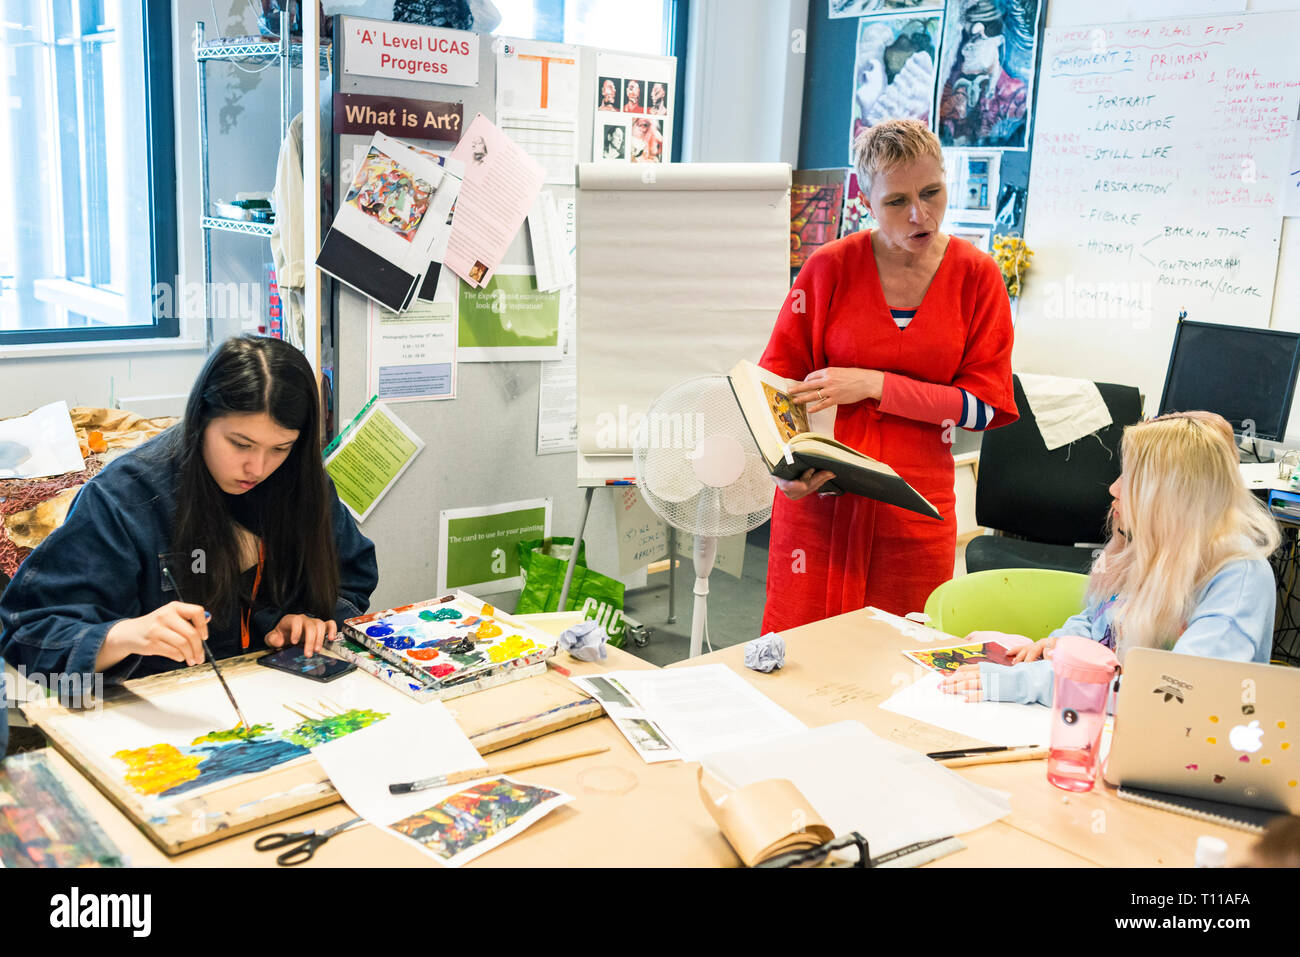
x=203 y=639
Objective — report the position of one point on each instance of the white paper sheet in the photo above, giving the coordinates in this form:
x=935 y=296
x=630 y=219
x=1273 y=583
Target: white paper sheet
x=557 y=407
x=857 y=781
x=39 y=444
x=631 y=719
x=413 y=354
x=997 y=722
x=550 y=248
x=415 y=745
x=551 y=140
x=707 y=708
x=642 y=537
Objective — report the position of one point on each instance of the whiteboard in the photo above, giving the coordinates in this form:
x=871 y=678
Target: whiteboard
x=1160 y=155
x=682 y=271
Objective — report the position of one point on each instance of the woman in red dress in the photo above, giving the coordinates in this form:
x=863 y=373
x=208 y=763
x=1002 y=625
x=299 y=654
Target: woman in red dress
x=907 y=332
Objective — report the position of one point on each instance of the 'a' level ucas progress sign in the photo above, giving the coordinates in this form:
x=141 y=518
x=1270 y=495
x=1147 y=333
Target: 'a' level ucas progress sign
x=410 y=52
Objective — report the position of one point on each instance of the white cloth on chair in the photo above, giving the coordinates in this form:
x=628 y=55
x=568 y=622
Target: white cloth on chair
x=1065 y=409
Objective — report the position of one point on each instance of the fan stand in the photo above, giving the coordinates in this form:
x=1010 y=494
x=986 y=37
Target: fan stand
x=706 y=550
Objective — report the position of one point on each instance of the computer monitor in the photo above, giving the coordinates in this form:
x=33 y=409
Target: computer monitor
x=1246 y=375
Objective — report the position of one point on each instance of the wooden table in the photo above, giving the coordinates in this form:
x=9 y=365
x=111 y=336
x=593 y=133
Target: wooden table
x=843 y=668
x=629 y=813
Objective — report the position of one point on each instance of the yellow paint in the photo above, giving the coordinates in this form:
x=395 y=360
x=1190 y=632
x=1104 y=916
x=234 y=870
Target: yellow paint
x=158 y=768
x=1211 y=740
x=512 y=647
x=1214 y=719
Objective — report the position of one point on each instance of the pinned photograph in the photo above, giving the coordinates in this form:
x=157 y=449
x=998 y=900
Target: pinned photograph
x=657 y=99
x=607 y=93
x=632 y=92
x=987 y=72
x=870 y=8
x=647 y=140
x=615 y=140
x=389 y=194
x=893 y=71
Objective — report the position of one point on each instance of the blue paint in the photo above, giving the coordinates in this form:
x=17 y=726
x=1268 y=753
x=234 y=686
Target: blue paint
x=379 y=630
x=236 y=758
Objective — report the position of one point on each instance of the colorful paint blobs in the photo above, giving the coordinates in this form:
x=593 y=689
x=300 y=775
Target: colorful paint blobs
x=237 y=733
x=489 y=629
x=1290 y=784
x=441 y=614
x=512 y=647
x=159 y=768
x=422 y=654
x=379 y=630
x=1285 y=745
x=1281 y=725
x=471 y=816
x=398 y=642
x=442 y=670
x=316 y=732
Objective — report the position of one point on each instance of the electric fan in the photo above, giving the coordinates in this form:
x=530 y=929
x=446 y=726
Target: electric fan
x=699 y=469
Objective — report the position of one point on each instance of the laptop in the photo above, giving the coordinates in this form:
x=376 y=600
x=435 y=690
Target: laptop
x=1209 y=730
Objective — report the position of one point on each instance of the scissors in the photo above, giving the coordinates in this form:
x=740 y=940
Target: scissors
x=307 y=842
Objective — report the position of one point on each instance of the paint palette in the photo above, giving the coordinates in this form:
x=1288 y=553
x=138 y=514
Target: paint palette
x=449 y=640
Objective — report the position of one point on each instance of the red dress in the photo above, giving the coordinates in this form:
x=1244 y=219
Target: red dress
x=830 y=555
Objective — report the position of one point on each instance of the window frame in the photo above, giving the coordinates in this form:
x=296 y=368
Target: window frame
x=156 y=20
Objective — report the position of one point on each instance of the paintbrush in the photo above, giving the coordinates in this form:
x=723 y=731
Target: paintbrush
x=211 y=657
x=470 y=774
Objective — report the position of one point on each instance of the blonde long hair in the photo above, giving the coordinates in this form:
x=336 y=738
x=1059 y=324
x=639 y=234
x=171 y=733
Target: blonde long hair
x=1185 y=512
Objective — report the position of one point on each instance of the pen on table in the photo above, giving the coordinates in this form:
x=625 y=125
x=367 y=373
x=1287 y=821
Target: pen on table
x=965 y=757
x=471 y=774
x=211 y=657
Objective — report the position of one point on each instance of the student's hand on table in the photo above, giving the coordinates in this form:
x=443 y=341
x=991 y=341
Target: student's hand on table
x=805 y=484
x=965 y=681
x=177 y=631
x=310 y=632
x=837 y=386
x=1032 y=652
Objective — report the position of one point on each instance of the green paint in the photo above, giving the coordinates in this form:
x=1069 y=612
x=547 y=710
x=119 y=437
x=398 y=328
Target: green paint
x=238 y=733
x=309 y=734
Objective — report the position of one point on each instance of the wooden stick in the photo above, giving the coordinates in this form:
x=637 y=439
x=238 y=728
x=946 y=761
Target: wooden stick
x=997 y=757
x=471 y=774
x=295 y=711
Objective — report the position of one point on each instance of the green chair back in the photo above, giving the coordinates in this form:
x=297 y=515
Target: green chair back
x=1019 y=601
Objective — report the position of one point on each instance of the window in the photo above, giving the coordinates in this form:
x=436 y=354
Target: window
x=86 y=169
x=633 y=26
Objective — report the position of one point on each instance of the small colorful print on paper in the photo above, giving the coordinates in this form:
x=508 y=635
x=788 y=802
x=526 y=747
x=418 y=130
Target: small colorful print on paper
x=947 y=660
x=475 y=816
x=390 y=195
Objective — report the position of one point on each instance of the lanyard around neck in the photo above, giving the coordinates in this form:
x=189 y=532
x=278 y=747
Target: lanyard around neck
x=246 y=615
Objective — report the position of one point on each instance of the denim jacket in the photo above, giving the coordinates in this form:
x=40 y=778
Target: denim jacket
x=102 y=565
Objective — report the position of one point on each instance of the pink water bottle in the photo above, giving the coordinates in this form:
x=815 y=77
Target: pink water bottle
x=1084 y=669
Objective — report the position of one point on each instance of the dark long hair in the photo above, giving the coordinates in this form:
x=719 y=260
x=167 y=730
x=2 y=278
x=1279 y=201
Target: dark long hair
x=290 y=508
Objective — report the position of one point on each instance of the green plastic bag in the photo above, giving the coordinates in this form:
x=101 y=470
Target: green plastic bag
x=542 y=563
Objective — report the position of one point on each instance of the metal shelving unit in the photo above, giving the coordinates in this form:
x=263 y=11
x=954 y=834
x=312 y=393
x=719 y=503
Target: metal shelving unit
x=283 y=52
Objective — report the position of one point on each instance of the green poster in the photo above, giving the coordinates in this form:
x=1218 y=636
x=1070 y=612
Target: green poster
x=477 y=547
x=368 y=456
x=508 y=320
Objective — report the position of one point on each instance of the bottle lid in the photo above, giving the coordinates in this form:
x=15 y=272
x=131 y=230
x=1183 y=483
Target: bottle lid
x=1082 y=659
x=1211 y=851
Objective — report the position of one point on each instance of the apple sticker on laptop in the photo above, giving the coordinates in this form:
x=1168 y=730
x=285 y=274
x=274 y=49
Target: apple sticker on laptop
x=1246 y=737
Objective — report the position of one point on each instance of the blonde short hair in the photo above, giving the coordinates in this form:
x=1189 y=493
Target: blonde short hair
x=890 y=144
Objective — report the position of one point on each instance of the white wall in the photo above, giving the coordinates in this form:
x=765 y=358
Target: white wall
x=1286 y=299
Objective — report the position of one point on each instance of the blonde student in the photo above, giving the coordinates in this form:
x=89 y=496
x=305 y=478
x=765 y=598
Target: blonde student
x=1185 y=568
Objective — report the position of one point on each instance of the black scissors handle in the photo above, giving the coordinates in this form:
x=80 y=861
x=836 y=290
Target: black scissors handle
x=303 y=853
x=269 y=842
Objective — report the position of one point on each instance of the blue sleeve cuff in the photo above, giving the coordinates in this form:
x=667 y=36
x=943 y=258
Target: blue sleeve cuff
x=1027 y=683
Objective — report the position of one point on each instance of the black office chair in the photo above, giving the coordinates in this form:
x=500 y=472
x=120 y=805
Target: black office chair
x=1045 y=501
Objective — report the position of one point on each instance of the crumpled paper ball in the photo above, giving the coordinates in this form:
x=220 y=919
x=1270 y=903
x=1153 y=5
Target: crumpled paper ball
x=585 y=641
x=765 y=654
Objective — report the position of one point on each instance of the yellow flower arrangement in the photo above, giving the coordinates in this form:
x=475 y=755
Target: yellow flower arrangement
x=1013 y=258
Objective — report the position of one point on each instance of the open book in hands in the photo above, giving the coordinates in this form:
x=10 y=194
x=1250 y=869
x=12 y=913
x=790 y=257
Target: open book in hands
x=791 y=442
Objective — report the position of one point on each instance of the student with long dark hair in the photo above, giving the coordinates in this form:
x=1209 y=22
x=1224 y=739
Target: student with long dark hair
x=229 y=513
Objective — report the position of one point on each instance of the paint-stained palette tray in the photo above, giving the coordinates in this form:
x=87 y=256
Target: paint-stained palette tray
x=449 y=640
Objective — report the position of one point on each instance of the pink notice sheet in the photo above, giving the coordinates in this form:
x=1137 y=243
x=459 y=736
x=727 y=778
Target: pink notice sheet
x=501 y=183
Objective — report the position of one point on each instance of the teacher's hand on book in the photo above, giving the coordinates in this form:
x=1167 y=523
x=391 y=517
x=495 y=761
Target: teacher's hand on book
x=824 y=388
x=805 y=484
